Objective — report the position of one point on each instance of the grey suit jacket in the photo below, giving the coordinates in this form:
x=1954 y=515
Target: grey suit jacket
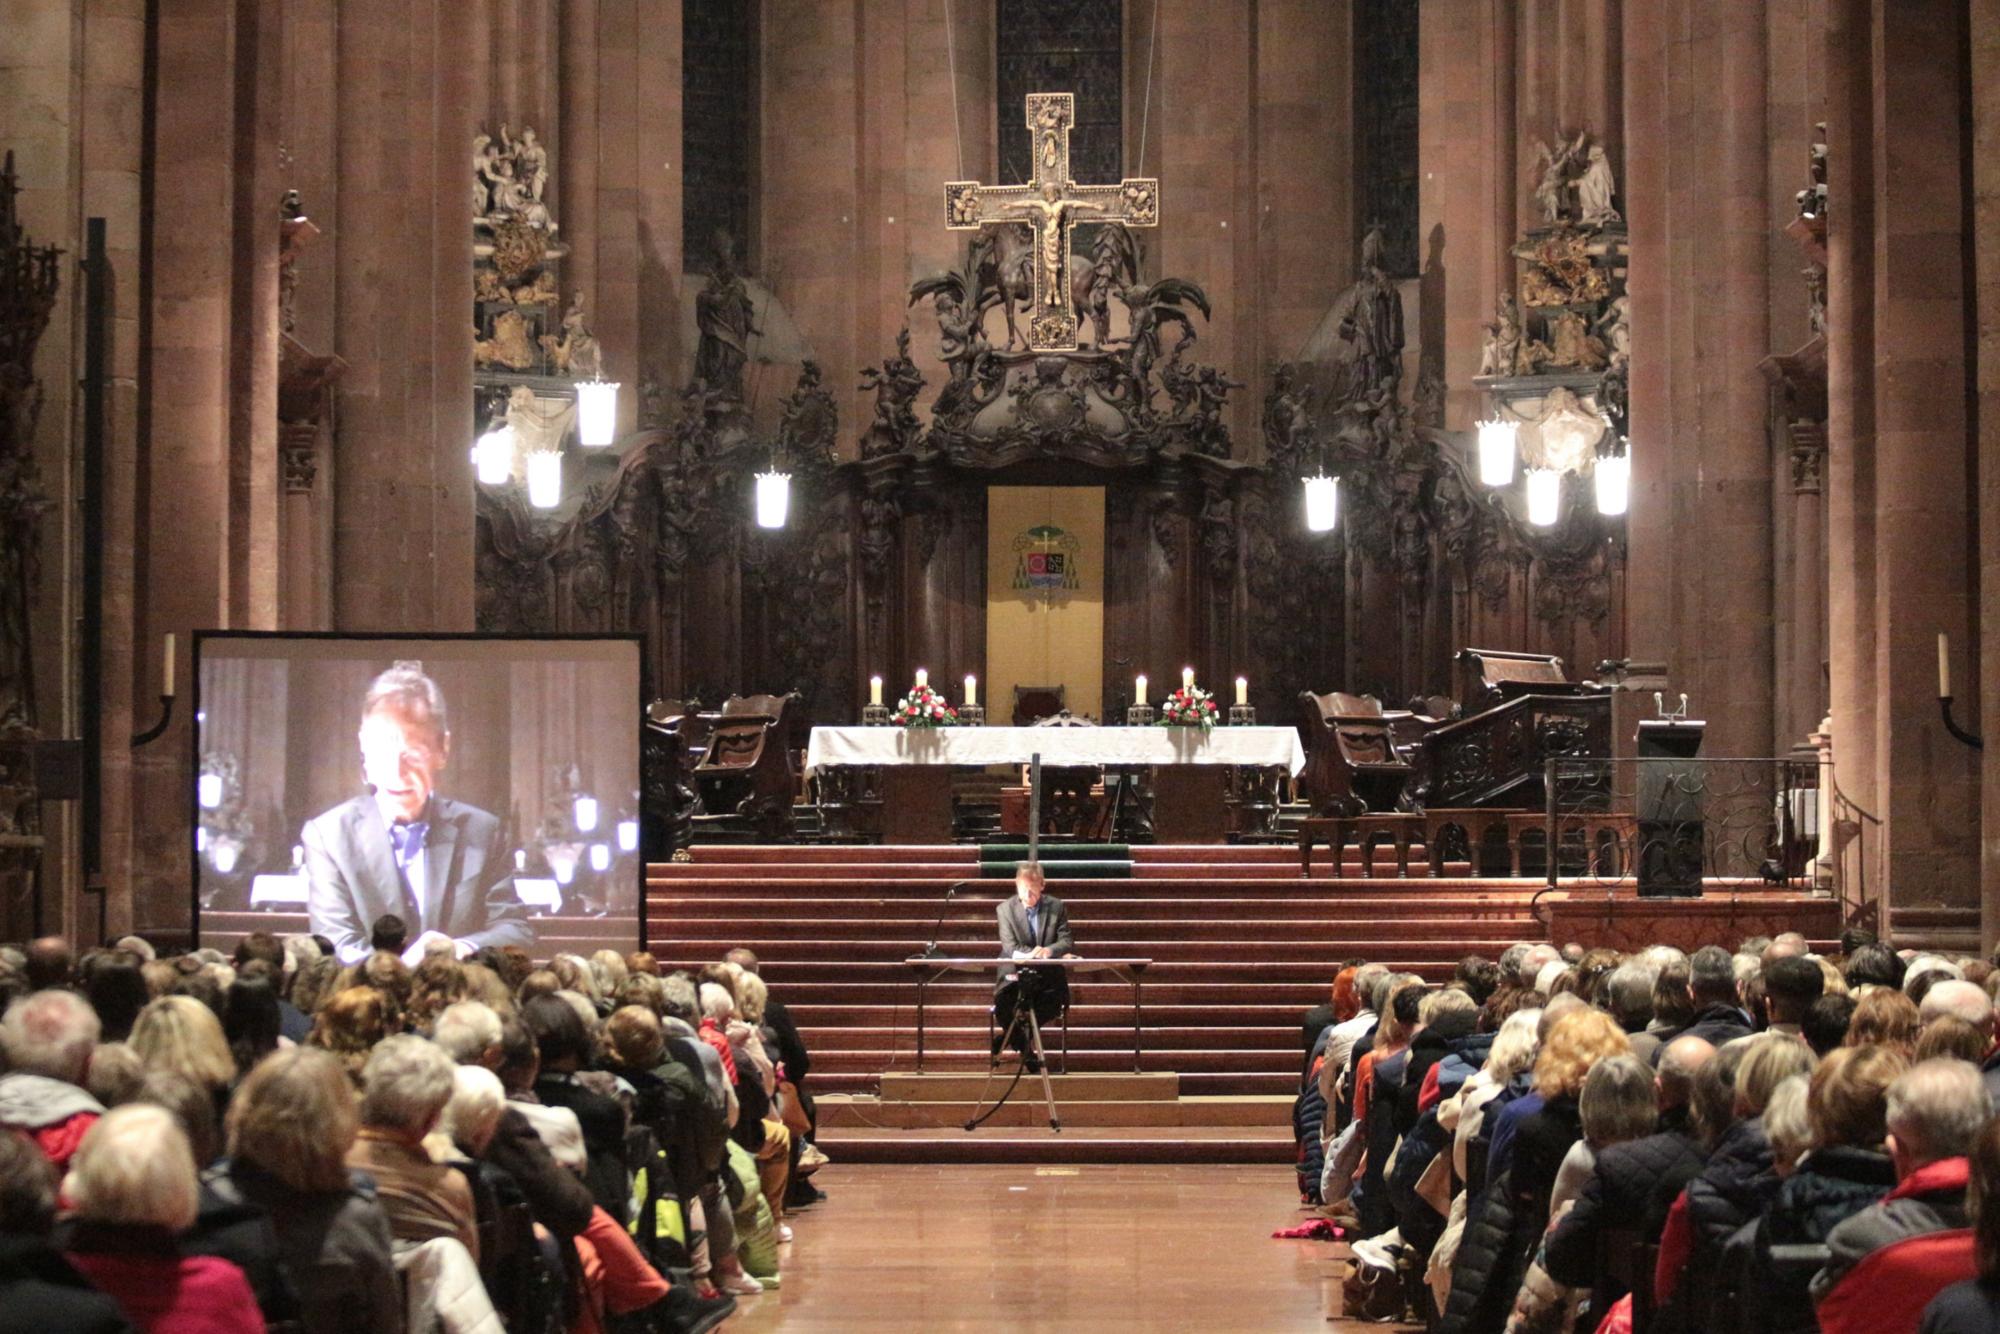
x=1014 y=933
x=469 y=877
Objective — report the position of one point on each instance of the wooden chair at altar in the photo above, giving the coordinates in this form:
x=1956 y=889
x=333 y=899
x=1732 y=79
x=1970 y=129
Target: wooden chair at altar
x=747 y=775
x=1353 y=764
x=1489 y=677
x=1034 y=703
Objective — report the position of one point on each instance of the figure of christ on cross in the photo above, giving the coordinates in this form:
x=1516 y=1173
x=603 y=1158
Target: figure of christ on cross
x=1049 y=203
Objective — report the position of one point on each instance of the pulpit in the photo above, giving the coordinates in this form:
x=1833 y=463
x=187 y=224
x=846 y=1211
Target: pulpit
x=746 y=776
x=1352 y=761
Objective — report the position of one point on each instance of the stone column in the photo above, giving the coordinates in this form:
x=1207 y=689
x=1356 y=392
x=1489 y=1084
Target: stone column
x=1926 y=783
x=1986 y=237
x=403 y=498
x=253 y=318
x=1202 y=151
x=1466 y=198
x=1649 y=566
x=1850 y=473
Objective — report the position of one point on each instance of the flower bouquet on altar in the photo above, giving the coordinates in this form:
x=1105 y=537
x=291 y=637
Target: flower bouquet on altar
x=1190 y=706
x=923 y=708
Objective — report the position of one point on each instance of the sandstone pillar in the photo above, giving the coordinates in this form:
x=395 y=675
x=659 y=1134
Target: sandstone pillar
x=1986 y=235
x=1850 y=477
x=1922 y=553
x=403 y=497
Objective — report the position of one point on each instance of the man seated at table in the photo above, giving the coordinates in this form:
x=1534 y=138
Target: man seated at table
x=1033 y=925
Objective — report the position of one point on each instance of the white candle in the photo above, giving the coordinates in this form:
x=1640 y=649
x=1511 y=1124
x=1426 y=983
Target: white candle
x=875 y=691
x=1944 y=667
x=167 y=670
x=971 y=691
x=1139 y=690
x=1242 y=690
x=1187 y=678
x=923 y=678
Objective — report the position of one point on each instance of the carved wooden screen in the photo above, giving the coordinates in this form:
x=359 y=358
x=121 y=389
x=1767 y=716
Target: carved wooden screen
x=1385 y=126
x=1063 y=46
x=718 y=146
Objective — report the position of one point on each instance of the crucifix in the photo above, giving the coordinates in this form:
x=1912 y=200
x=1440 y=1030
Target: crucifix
x=1050 y=204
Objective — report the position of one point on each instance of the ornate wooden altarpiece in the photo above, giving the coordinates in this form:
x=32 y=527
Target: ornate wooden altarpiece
x=882 y=566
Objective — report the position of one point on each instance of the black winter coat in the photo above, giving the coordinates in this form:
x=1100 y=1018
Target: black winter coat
x=1488 y=1269
x=1831 y=1186
x=1541 y=1143
x=42 y=1293
x=557 y=1197
x=1738 y=1184
x=1631 y=1186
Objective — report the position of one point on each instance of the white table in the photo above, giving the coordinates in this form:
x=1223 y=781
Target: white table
x=1106 y=747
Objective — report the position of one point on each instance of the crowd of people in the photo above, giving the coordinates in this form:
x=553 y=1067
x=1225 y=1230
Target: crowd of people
x=272 y=1140
x=1570 y=1139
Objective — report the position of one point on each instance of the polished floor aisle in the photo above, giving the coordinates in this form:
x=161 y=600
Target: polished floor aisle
x=978 y=1247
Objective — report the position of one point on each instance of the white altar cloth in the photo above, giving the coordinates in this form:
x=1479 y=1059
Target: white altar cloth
x=1107 y=746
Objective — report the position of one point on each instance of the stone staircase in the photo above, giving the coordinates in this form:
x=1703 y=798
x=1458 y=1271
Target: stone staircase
x=1242 y=945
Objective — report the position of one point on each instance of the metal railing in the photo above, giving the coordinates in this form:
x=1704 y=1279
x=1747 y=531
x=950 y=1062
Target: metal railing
x=1673 y=826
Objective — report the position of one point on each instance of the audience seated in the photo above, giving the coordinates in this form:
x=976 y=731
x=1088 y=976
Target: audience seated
x=40 y=1291
x=47 y=1039
x=131 y=1191
x=486 y=1173
x=1887 y=1261
x=1796 y=1159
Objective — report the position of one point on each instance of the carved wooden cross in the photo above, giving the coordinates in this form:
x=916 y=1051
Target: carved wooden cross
x=1050 y=203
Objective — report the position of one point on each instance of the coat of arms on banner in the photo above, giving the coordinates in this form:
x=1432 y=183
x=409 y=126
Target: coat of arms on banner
x=1045 y=562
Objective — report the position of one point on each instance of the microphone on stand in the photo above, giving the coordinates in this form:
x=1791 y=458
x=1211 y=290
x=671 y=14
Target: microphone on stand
x=931 y=951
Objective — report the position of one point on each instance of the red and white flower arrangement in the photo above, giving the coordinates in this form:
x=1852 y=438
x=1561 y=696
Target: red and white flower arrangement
x=1190 y=706
x=923 y=707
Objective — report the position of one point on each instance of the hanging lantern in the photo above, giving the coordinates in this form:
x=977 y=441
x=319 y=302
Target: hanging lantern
x=493 y=455
x=1544 y=497
x=1322 y=503
x=774 y=498
x=628 y=835
x=545 y=479
x=596 y=412
x=1614 y=482
x=1497 y=440
x=586 y=814
x=600 y=857
x=208 y=790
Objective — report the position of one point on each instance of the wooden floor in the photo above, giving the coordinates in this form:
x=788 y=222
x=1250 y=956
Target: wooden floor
x=980 y=1247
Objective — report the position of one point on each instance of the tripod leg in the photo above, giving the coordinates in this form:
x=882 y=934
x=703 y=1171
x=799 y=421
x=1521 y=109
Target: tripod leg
x=993 y=1064
x=1042 y=1060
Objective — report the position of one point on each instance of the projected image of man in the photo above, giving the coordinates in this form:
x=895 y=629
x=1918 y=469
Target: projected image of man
x=404 y=849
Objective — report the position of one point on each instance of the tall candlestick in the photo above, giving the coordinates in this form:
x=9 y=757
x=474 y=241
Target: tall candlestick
x=1187 y=678
x=1242 y=690
x=875 y=691
x=971 y=691
x=1139 y=690
x=923 y=678
x=167 y=670
x=1944 y=667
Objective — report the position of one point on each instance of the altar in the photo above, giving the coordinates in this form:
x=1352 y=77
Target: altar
x=1190 y=785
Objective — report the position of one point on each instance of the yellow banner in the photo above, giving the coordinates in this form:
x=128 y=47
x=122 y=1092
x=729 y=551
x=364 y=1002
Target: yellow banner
x=1044 y=595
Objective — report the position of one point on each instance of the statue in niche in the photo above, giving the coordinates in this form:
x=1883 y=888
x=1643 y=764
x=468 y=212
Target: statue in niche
x=1371 y=323
x=577 y=353
x=723 y=313
x=1500 y=354
x=895 y=384
x=1211 y=396
x=1595 y=188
